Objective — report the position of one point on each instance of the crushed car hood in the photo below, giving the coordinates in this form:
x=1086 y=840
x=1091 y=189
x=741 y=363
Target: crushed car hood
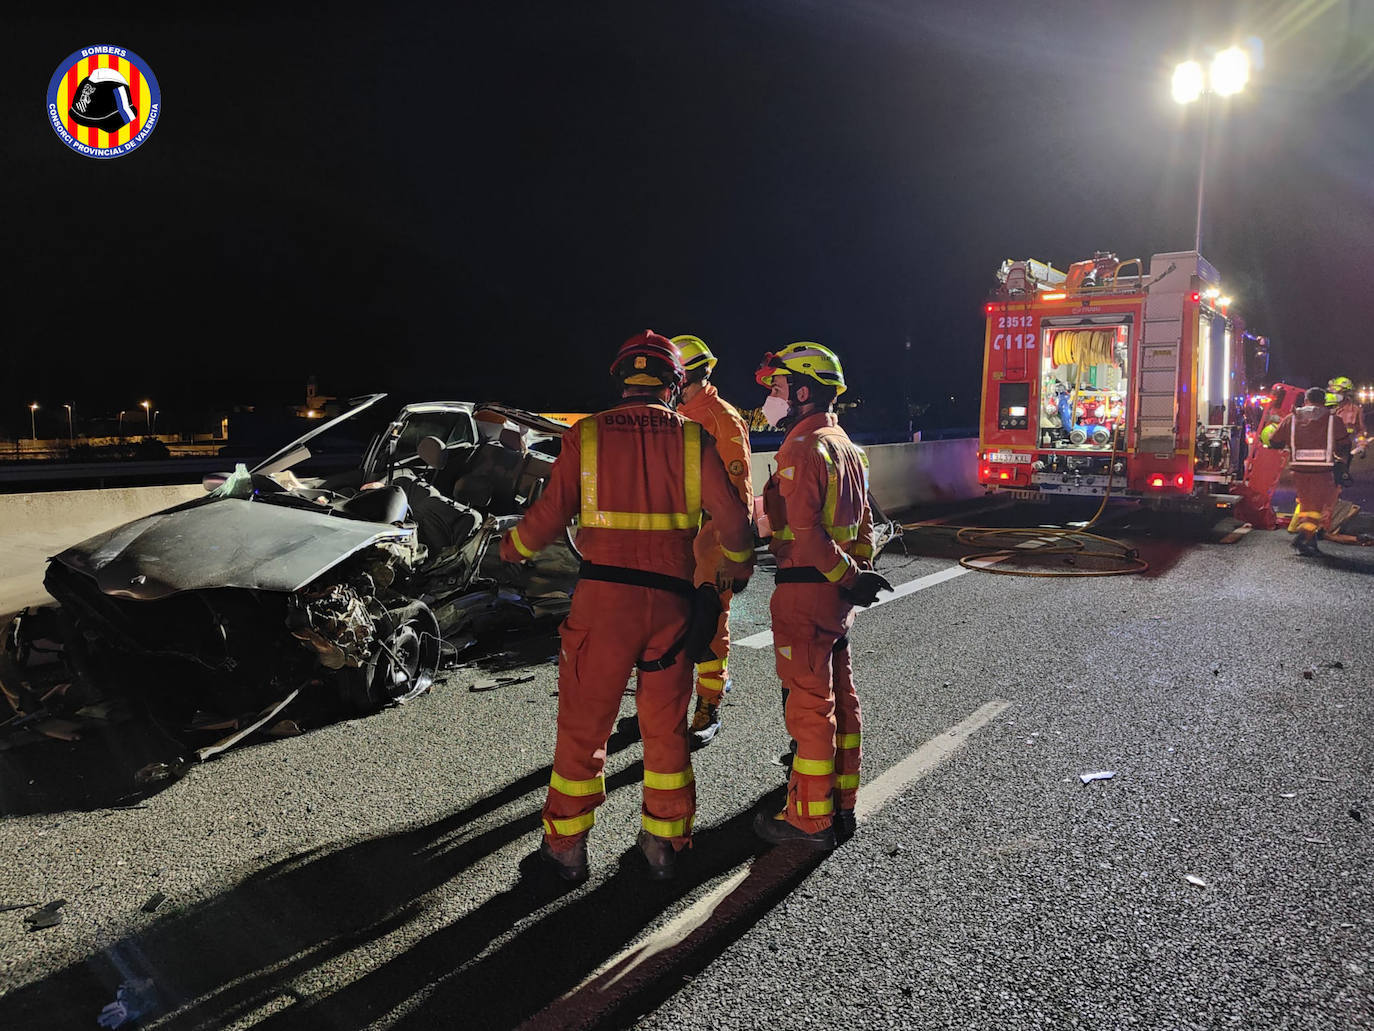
x=227 y=542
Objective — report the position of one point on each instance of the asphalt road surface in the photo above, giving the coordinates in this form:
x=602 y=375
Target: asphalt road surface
x=378 y=872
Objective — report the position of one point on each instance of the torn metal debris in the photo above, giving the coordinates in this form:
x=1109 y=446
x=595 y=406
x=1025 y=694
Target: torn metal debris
x=49 y=916
x=1088 y=778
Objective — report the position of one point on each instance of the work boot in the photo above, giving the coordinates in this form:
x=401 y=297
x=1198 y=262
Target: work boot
x=844 y=825
x=705 y=724
x=569 y=863
x=774 y=829
x=659 y=854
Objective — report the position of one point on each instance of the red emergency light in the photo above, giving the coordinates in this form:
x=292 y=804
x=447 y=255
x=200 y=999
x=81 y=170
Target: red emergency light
x=1180 y=480
x=1156 y=481
x=990 y=308
x=1195 y=297
x=987 y=472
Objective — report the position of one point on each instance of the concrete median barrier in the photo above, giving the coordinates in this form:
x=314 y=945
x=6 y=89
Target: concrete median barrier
x=905 y=475
x=35 y=526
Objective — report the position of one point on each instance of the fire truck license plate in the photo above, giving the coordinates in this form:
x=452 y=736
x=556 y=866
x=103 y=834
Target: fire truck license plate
x=1010 y=456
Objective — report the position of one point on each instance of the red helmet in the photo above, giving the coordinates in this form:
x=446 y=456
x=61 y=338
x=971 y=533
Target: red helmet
x=649 y=360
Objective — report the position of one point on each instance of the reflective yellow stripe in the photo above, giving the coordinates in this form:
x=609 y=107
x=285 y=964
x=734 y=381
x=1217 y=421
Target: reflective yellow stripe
x=711 y=666
x=735 y=556
x=707 y=680
x=832 y=488
x=578 y=788
x=666 y=828
x=862 y=550
x=824 y=807
x=844 y=781
x=840 y=569
x=847 y=740
x=592 y=515
x=519 y=544
x=668 y=781
x=575 y=825
x=691 y=470
x=813 y=767
x=785 y=534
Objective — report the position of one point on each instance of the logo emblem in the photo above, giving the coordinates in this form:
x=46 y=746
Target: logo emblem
x=103 y=101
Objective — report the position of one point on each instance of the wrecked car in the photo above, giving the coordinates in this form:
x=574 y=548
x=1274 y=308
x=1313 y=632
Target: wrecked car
x=348 y=587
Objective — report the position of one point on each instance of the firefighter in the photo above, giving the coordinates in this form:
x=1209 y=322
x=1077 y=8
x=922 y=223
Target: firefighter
x=817 y=506
x=702 y=403
x=1340 y=395
x=638 y=476
x=1316 y=440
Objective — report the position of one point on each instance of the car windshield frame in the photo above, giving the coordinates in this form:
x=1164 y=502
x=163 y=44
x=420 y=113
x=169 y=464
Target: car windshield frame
x=271 y=464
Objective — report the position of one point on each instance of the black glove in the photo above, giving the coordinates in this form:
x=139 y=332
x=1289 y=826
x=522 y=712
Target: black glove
x=738 y=586
x=701 y=630
x=865 y=590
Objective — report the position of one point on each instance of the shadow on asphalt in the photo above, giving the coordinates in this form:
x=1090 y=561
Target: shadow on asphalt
x=232 y=956
x=45 y=775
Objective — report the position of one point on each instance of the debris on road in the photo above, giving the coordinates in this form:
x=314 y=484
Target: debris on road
x=157 y=899
x=1193 y=878
x=1356 y=815
x=1088 y=778
x=492 y=683
x=157 y=772
x=134 y=999
x=1289 y=794
x=21 y=905
x=1309 y=672
x=49 y=916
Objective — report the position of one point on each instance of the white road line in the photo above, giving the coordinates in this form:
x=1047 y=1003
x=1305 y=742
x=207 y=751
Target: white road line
x=764 y=638
x=872 y=797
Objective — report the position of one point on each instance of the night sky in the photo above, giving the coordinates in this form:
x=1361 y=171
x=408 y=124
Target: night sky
x=483 y=205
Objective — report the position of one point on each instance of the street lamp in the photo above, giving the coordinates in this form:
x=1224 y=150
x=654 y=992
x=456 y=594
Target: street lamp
x=148 y=411
x=33 y=423
x=121 y=423
x=1228 y=75
x=71 y=433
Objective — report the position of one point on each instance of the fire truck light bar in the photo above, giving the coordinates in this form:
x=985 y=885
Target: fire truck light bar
x=1053 y=297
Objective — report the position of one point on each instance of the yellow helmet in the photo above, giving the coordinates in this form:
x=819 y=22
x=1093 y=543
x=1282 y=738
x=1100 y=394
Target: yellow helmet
x=803 y=359
x=1340 y=385
x=695 y=354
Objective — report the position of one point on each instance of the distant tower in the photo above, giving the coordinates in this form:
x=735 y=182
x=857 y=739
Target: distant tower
x=315 y=402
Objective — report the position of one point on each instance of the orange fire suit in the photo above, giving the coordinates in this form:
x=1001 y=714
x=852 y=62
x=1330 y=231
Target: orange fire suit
x=1315 y=439
x=638 y=476
x=723 y=423
x=817 y=505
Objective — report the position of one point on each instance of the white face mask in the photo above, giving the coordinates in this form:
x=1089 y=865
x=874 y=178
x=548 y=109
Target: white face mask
x=775 y=409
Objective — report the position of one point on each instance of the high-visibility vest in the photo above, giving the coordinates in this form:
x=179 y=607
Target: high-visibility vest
x=1312 y=457
x=591 y=514
x=840 y=533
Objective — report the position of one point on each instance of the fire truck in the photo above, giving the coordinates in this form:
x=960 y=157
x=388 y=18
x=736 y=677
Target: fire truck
x=1113 y=378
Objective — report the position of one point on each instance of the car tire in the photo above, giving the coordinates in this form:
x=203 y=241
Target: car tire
x=402 y=663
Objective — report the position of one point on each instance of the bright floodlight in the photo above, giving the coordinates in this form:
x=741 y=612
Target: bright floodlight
x=1230 y=71
x=1188 y=82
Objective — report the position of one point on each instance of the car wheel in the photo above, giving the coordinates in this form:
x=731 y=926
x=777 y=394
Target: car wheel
x=402 y=662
